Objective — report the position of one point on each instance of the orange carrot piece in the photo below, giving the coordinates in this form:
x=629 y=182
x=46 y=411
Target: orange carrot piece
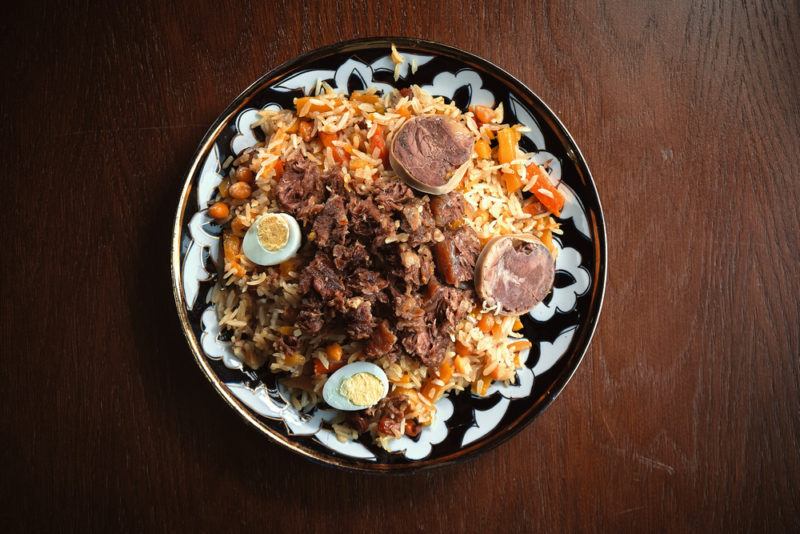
x=506 y=145
x=517 y=346
x=482 y=149
x=461 y=349
x=232 y=246
x=486 y=323
x=483 y=114
x=460 y=363
x=333 y=352
x=445 y=371
x=554 y=201
x=513 y=182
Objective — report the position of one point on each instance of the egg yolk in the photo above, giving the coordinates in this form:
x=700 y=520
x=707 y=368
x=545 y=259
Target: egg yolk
x=273 y=232
x=362 y=389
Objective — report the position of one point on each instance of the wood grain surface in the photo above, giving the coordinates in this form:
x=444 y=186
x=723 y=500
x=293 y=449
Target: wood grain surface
x=685 y=415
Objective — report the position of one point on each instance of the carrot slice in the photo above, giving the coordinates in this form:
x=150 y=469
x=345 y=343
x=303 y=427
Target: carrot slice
x=485 y=324
x=482 y=149
x=550 y=197
x=445 y=371
x=461 y=349
x=506 y=145
x=519 y=345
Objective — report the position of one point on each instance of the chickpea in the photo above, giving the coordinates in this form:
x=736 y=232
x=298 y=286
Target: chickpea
x=240 y=190
x=219 y=211
x=244 y=174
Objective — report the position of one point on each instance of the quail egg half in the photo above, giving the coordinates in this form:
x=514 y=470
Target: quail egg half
x=356 y=386
x=272 y=239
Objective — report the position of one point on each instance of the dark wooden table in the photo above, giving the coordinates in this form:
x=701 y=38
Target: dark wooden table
x=685 y=415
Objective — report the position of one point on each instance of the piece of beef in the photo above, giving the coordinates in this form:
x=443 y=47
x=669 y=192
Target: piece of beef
x=448 y=210
x=300 y=189
x=447 y=306
x=350 y=257
x=391 y=195
x=311 y=317
x=390 y=412
x=417 y=222
x=323 y=277
x=426 y=266
x=367 y=221
x=417 y=265
x=330 y=226
x=359 y=322
x=382 y=340
x=455 y=256
x=409 y=312
x=286 y=344
x=426 y=344
x=366 y=283
x=358 y=421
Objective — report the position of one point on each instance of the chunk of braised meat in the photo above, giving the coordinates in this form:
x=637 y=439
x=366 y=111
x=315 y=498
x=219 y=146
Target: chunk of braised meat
x=418 y=343
x=417 y=265
x=359 y=320
x=311 y=317
x=358 y=421
x=300 y=189
x=348 y=258
x=367 y=283
x=330 y=226
x=417 y=222
x=332 y=180
x=323 y=277
x=426 y=265
x=446 y=306
x=448 y=210
x=382 y=340
x=455 y=256
x=390 y=413
x=367 y=221
x=392 y=195
x=410 y=313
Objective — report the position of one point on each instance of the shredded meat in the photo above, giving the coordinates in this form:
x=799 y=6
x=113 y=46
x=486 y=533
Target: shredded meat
x=390 y=413
x=301 y=189
x=391 y=196
x=347 y=258
x=360 y=323
x=448 y=210
x=330 y=226
x=321 y=275
x=371 y=270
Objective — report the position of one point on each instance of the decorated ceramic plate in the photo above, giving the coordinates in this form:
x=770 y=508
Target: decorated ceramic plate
x=403 y=398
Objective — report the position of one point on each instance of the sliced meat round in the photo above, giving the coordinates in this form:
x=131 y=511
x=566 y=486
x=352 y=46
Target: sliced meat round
x=427 y=149
x=515 y=273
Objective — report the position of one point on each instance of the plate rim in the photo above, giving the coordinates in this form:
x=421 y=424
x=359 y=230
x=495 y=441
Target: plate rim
x=494 y=439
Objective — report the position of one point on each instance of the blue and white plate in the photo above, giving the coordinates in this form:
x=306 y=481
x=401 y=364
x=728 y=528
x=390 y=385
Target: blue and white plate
x=561 y=327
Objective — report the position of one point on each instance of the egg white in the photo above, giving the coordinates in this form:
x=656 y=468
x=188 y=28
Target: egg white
x=259 y=255
x=330 y=392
